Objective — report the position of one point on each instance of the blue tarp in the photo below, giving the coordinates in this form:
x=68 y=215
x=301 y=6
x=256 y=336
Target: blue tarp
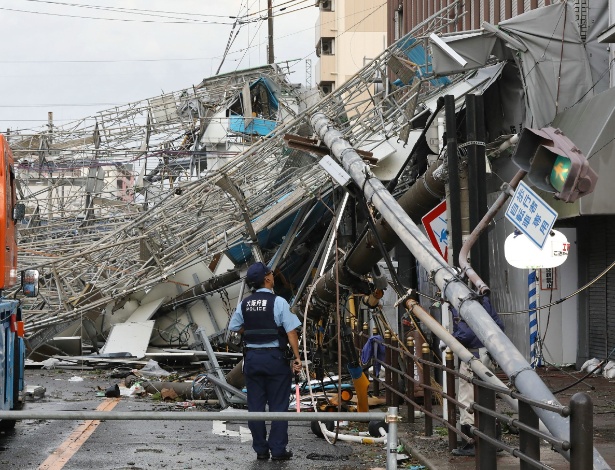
x=416 y=53
x=256 y=126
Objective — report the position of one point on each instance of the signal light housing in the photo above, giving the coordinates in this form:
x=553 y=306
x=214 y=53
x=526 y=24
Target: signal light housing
x=554 y=163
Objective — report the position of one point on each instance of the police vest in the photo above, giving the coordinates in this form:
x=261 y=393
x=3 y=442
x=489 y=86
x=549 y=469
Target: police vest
x=258 y=320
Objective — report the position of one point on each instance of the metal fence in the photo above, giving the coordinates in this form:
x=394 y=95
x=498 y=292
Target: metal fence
x=409 y=376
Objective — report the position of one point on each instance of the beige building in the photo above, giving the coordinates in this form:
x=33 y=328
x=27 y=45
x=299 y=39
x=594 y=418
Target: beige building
x=349 y=33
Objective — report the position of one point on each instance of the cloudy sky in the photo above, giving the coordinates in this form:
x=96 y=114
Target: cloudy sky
x=77 y=57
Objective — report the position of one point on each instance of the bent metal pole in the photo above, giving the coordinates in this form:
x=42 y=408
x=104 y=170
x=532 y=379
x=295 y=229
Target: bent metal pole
x=457 y=293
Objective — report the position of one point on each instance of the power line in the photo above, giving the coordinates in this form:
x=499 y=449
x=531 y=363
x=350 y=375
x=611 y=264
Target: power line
x=124 y=20
x=129 y=10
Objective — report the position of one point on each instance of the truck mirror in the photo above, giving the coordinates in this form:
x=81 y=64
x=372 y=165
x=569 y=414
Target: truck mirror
x=19 y=212
x=29 y=282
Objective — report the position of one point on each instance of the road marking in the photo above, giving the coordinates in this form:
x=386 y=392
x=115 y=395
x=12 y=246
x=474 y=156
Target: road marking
x=70 y=446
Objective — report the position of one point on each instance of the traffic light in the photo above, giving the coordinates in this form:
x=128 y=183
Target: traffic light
x=554 y=163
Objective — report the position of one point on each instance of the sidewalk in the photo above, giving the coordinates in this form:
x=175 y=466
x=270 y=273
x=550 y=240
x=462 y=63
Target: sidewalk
x=433 y=451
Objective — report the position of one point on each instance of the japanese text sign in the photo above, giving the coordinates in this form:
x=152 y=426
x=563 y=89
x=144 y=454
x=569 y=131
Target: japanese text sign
x=529 y=213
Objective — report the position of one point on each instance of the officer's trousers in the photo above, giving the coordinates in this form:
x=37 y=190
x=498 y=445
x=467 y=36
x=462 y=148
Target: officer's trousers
x=268 y=380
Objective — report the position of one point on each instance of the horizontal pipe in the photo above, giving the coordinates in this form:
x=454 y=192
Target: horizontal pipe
x=191 y=416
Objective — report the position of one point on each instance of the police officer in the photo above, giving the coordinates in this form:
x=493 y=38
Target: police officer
x=268 y=326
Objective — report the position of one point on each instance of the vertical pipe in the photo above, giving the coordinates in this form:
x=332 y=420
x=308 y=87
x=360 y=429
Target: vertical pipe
x=451 y=408
x=270 y=57
x=477 y=182
x=581 y=431
x=473 y=177
x=481 y=166
x=392 y=439
x=454 y=204
x=410 y=373
x=426 y=391
x=528 y=443
x=388 y=395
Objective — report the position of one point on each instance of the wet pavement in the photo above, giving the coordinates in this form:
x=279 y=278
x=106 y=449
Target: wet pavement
x=134 y=445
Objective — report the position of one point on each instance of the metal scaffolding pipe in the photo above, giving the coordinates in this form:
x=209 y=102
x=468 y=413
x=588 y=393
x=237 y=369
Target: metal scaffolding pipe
x=453 y=288
x=237 y=415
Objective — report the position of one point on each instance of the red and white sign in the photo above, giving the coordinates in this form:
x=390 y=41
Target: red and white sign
x=435 y=226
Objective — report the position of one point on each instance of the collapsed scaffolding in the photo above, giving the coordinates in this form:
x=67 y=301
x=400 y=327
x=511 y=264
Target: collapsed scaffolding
x=97 y=240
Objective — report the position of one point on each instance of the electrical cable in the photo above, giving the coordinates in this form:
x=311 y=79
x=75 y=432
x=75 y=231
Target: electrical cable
x=586 y=375
x=567 y=297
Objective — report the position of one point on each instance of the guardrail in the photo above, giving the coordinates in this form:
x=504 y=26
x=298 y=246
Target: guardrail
x=391 y=418
x=400 y=386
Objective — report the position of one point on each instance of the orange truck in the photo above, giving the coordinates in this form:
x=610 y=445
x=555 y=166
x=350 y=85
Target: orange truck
x=12 y=344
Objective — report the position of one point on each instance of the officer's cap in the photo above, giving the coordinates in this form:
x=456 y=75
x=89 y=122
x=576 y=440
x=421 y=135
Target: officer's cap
x=256 y=274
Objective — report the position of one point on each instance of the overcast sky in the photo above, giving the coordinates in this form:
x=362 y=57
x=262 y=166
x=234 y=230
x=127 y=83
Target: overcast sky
x=77 y=57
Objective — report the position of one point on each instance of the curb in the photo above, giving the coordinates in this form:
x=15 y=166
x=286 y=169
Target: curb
x=417 y=454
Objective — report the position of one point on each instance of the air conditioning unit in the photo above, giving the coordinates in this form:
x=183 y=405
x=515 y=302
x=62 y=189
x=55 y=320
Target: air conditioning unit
x=326 y=48
x=326 y=89
x=326 y=5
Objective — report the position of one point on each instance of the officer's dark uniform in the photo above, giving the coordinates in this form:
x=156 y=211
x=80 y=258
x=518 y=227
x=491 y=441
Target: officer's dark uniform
x=268 y=375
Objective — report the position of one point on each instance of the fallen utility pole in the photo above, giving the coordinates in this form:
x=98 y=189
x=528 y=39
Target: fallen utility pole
x=453 y=288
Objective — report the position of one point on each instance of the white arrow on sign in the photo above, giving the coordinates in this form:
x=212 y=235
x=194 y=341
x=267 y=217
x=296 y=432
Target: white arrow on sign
x=219 y=428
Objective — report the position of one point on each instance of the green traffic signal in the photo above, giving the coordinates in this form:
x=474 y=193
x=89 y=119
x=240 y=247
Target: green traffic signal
x=560 y=172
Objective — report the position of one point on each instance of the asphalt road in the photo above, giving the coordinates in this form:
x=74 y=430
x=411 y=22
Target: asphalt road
x=114 y=445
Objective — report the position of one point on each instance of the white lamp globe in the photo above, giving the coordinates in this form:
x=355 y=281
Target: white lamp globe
x=522 y=253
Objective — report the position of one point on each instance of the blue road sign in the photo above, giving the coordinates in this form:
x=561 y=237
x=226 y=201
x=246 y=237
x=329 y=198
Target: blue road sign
x=531 y=214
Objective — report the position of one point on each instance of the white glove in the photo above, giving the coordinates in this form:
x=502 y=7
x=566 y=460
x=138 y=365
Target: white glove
x=442 y=345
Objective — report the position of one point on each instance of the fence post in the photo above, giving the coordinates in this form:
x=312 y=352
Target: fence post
x=392 y=419
x=581 y=431
x=376 y=380
x=485 y=452
x=365 y=335
x=397 y=400
x=426 y=391
x=388 y=395
x=451 y=407
x=410 y=373
x=529 y=444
